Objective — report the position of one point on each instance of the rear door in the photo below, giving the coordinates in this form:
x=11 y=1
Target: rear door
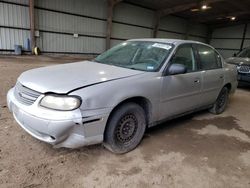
x=212 y=73
x=181 y=93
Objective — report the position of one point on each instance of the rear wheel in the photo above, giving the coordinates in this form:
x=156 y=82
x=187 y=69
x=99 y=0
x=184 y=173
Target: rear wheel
x=221 y=102
x=125 y=128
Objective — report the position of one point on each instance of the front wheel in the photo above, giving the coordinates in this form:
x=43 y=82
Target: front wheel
x=125 y=128
x=221 y=102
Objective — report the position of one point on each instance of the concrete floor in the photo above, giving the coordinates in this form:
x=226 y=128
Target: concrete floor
x=200 y=150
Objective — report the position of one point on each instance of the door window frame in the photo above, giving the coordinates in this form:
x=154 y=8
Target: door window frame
x=196 y=47
x=174 y=53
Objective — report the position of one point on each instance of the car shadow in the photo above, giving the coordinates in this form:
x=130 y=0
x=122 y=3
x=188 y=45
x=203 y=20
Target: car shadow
x=244 y=86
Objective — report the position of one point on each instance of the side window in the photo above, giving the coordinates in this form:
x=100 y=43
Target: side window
x=185 y=55
x=209 y=58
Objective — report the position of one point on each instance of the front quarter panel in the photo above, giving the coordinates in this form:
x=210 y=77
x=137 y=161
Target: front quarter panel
x=108 y=95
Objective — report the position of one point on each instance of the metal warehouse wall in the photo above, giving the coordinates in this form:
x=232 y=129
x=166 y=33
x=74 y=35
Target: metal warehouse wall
x=14 y=24
x=230 y=40
x=58 y=20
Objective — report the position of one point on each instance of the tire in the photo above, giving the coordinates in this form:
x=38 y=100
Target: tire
x=125 y=128
x=221 y=102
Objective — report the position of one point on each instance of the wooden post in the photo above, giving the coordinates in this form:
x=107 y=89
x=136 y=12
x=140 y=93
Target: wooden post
x=32 y=25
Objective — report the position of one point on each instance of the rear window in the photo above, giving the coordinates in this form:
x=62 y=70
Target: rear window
x=209 y=58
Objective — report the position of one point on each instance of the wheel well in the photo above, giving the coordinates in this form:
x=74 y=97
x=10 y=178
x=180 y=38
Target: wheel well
x=229 y=86
x=141 y=101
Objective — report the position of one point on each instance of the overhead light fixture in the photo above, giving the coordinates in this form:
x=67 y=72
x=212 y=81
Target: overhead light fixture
x=205 y=7
x=195 y=10
x=233 y=18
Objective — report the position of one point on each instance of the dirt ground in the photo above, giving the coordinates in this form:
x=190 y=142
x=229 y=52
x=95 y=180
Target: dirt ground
x=200 y=150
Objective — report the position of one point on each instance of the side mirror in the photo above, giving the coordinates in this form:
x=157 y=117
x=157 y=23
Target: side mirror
x=177 y=69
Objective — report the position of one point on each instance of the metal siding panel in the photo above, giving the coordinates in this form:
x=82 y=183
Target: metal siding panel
x=2 y=39
x=10 y=37
x=246 y=43
x=134 y=15
x=130 y=32
x=162 y=34
x=229 y=44
x=248 y=31
x=67 y=43
x=2 y=16
x=227 y=53
x=229 y=32
x=198 y=29
x=95 y=8
x=53 y=21
x=115 y=42
x=173 y=24
x=14 y=15
x=24 y=2
x=197 y=39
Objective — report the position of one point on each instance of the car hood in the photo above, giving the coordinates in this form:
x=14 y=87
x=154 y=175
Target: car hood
x=238 y=61
x=67 y=77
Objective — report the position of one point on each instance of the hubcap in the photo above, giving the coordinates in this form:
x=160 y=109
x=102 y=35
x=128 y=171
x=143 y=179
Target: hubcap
x=126 y=128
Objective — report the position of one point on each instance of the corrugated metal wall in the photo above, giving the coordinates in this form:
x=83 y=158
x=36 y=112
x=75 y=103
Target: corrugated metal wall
x=14 y=24
x=58 y=20
x=228 y=40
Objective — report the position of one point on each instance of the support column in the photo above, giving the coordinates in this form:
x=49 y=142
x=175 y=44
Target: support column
x=109 y=23
x=157 y=23
x=32 y=25
x=243 y=37
x=209 y=35
x=187 y=30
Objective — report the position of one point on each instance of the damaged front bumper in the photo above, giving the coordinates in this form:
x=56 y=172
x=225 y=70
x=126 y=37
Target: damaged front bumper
x=70 y=129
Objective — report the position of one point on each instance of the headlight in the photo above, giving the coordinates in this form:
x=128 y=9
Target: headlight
x=64 y=103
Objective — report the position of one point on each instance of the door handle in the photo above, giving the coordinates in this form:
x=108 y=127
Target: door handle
x=221 y=76
x=197 y=81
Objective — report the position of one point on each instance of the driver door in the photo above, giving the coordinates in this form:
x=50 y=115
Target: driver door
x=181 y=93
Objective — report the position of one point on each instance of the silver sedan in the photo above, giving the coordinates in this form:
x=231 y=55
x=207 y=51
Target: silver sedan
x=114 y=98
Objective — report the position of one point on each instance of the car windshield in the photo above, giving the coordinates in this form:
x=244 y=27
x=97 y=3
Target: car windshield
x=245 y=53
x=138 y=55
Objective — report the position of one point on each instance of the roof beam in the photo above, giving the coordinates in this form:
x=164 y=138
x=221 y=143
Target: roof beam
x=225 y=15
x=238 y=5
x=180 y=8
x=229 y=24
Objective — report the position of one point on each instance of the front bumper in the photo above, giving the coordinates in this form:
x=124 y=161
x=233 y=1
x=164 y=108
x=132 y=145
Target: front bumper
x=70 y=129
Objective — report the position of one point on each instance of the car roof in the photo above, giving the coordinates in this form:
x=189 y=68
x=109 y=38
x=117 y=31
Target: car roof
x=171 y=41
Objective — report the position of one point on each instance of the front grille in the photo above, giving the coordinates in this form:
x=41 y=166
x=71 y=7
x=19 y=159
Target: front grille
x=244 y=69
x=25 y=95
